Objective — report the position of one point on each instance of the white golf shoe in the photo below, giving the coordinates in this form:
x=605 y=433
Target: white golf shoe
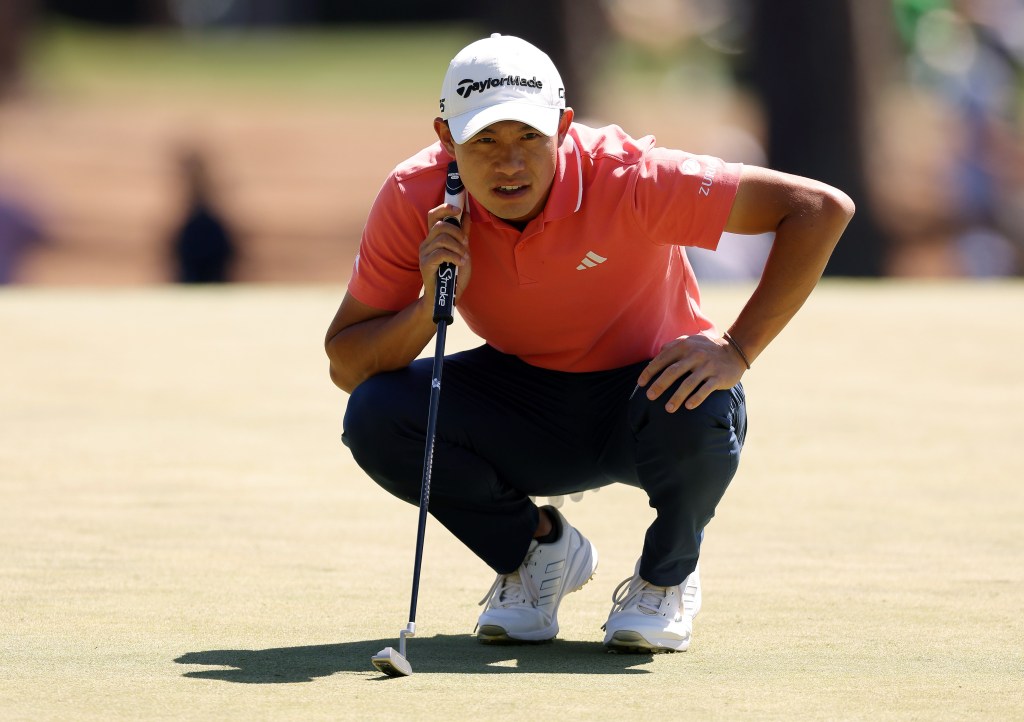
x=523 y=606
x=650 y=619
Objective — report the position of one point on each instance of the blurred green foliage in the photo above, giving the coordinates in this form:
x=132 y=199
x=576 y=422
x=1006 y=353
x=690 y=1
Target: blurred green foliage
x=325 y=65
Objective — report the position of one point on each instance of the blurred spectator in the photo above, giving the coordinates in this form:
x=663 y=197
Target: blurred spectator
x=20 y=230
x=16 y=20
x=968 y=56
x=986 y=90
x=203 y=247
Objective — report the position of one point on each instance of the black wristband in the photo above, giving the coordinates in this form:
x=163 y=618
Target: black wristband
x=732 y=342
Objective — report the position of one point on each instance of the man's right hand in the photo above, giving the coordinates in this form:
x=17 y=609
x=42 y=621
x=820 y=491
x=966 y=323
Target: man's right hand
x=445 y=243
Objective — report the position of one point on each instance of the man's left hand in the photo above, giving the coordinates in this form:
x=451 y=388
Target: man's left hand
x=709 y=364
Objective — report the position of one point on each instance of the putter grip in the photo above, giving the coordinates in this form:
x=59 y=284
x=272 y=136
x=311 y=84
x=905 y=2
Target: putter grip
x=444 y=288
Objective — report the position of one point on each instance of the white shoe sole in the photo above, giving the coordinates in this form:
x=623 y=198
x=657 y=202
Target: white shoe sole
x=629 y=642
x=493 y=634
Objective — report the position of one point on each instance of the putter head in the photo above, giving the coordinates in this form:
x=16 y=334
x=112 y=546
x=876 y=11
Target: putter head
x=391 y=663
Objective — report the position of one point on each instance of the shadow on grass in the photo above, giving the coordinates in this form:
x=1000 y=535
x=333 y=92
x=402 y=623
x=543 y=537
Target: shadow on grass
x=442 y=654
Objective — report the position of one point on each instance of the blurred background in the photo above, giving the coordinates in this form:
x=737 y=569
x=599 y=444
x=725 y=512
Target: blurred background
x=208 y=141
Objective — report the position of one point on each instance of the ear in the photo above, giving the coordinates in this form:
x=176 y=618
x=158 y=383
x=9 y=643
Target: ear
x=563 y=124
x=444 y=134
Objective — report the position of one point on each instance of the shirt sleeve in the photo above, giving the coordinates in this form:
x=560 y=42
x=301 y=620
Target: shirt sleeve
x=386 y=271
x=684 y=199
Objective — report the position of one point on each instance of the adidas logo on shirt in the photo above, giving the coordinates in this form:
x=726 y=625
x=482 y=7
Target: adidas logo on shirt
x=590 y=260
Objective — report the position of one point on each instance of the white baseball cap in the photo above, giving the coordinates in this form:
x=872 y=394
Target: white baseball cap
x=501 y=78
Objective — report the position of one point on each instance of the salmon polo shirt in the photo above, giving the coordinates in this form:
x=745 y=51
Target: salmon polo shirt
x=598 y=280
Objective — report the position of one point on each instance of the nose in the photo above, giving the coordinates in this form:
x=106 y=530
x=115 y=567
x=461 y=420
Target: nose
x=510 y=158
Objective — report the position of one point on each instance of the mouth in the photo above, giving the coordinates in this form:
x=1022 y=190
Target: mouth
x=510 y=191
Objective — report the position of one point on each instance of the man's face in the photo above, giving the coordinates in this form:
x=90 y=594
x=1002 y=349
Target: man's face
x=508 y=167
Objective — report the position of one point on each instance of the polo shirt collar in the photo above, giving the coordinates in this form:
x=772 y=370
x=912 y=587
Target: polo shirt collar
x=567 y=192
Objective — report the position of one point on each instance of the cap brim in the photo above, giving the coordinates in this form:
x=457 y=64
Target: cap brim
x=543 y=119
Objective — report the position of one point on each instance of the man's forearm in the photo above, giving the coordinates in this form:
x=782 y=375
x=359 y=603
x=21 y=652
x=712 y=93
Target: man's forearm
x=803 y=244
x=384 y=343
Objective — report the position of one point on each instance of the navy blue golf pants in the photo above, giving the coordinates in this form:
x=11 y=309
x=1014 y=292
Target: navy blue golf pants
x=507 y=430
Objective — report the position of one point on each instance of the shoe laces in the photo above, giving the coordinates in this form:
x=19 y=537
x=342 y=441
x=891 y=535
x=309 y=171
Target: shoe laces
x=634 y=592
x=513 y=589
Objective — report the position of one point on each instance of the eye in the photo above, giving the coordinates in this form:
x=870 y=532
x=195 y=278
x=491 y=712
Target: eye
x=532 y=135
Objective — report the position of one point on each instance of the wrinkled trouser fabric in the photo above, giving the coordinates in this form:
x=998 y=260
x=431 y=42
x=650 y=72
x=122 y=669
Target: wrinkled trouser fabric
x=507 y=431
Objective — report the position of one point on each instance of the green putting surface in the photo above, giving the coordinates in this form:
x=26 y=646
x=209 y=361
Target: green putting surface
x=185 y=537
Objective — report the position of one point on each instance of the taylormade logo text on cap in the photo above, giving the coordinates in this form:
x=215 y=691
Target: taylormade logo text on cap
x=501 y=78
x=467 y=86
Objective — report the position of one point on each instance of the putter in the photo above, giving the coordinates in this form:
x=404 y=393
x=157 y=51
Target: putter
x=390 y=661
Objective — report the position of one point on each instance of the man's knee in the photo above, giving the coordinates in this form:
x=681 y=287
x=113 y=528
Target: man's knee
x=373 y=419
x=718 y=424
x=360 y=415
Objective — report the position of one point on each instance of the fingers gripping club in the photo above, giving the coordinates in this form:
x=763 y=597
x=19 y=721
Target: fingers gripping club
x=448 y=273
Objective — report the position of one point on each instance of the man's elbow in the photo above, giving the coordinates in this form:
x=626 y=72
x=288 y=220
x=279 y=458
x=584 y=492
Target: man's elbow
x=841 y=206
x=343 y=381
x=344 y=374
x=835 y=209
